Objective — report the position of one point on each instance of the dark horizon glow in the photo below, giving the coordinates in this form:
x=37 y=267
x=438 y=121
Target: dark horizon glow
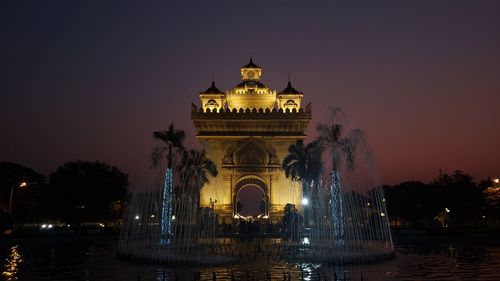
x=93 y=80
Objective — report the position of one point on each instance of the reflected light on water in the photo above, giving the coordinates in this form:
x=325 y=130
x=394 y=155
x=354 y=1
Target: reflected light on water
x=12 y=264
x=416 y=259
x=308 y=270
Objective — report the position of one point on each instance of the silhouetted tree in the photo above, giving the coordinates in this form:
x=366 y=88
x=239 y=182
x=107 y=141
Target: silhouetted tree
x=484 y=184
x=454 y=198
x=169 y=150
x=460 y=195
x=303 y=163
x=195 y=169
x=331 y=137
x=171 y=147
x=82 y=191
x=410 y=203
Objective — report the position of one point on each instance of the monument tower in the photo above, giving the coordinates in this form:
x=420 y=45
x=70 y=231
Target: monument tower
x=246 y=131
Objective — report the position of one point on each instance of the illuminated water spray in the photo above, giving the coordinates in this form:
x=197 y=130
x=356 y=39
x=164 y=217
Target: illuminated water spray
x=346 y=219
x=337 y=208
x=166 y=210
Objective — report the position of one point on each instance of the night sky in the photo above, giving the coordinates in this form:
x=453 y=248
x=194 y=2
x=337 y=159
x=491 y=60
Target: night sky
x=91 y=80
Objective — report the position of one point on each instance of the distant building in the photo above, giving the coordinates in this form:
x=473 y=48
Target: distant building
x=246 y=131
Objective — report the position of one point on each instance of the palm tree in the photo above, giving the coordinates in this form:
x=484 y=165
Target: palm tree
x=169 y=149
x=303 y=164
x=195 y=169
x=330 y=135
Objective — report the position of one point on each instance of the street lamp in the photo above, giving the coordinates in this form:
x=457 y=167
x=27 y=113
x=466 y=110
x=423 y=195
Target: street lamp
x=19 y=184
x=305 y=201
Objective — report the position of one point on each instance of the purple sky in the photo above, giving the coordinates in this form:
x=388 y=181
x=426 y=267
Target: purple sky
x=91 y=80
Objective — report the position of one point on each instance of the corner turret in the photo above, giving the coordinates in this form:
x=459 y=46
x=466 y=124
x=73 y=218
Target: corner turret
x=212 y=98
x=289 y=98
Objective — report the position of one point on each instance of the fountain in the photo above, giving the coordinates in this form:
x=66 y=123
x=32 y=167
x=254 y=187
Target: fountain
x=344 y=220
x=349 y=222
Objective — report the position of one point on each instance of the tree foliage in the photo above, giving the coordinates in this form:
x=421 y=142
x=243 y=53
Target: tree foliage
x=410 y=201
x=303 y=162
x=170 y=148
x=82 y=191
x=416 y=203
x=331 y=137
x=195 y=169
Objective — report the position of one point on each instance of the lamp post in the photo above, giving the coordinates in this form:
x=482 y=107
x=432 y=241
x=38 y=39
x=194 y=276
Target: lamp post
x=18 y=184
x=305 y=205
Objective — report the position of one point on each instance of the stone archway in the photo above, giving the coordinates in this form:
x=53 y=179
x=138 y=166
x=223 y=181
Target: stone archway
x=251 y=181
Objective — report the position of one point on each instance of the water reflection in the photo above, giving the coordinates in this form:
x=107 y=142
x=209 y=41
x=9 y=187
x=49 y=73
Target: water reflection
x=89 y=258
x=256 y=271
x=12 y=263
x=417 y=260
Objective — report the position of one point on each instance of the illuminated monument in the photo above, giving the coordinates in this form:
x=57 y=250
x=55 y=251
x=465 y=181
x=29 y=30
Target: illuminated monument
x=246 y=131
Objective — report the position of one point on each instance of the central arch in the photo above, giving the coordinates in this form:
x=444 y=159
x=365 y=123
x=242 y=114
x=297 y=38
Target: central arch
x=251 y=181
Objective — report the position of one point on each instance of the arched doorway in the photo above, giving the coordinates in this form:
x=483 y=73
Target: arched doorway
x=251 y=201
x=251 y=197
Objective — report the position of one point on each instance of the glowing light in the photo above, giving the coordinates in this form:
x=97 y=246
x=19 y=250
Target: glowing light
x=173 y=217
x=306 y=241
x=496 y=180
x=50 y=226
x=136 y=217
x=337 y=207
x=101 y=225
x=382 y=214
x=152 y=216
x=265 y=217
x=166 y=209
x=23 y=184
x=44 y=226
x=12 y=264
x=447 y=210
x=305 y=201
x=236 y=216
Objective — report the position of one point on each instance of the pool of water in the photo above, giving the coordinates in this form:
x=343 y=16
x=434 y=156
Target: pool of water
x=94 y=258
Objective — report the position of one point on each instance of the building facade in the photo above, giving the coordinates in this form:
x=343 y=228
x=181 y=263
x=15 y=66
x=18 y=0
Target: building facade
x=246 y=131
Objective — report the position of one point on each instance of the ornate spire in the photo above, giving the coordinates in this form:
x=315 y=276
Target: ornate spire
x=250 y=64
x=212 y=89
x=289 y=89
